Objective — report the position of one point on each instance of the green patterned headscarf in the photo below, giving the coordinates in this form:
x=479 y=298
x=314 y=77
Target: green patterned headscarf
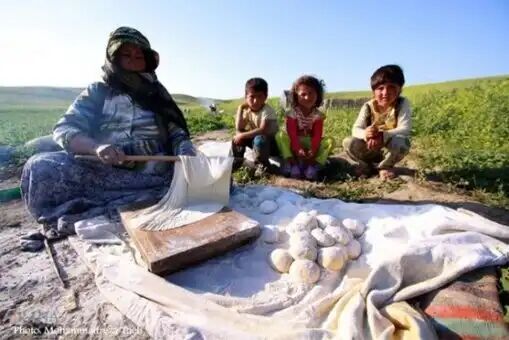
x=142 y=87
x=124 y=35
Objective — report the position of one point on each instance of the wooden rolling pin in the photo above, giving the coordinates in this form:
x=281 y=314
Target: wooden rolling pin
x=136 y=158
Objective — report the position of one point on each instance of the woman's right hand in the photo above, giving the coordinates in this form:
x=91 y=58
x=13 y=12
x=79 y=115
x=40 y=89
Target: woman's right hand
x=110 y=154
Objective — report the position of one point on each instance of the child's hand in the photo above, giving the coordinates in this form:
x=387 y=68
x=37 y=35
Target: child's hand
x=301 y=153
x=237 y=139
x=310 y=154
x=371 y=132
x=376 y=142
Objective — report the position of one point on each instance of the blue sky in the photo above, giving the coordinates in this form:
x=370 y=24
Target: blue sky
x=210 y=48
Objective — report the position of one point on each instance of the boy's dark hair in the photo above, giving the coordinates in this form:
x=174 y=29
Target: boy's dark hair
x=313 y=82
x=257 y=85
x=388 y=74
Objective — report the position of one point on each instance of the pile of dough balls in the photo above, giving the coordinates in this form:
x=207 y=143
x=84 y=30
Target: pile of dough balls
x=317 y=240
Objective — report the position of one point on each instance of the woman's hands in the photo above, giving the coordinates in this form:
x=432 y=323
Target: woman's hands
x=109 y=154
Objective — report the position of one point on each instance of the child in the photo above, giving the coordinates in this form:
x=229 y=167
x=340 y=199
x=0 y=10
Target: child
x=255 y=124
x=382 y=129
x=303 y=147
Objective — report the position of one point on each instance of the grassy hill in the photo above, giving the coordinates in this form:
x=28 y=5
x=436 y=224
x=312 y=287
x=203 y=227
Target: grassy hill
x=29 y=112
x=42 y=96
x=419 y=89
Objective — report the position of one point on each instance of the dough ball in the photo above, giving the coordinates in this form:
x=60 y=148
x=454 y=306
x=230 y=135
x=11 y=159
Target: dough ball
x=242 y=199
x=303 y=251
x=313 y=212
x=268 y=195
x=333 y=258
x=323 y=239
x=305 y=271
x=325 y=220
x=340 y=234
x=355 y=226
x=268 y=207
x=302 y=222
x=280 y=260
x=353 y=249
x=302 y=237
x=271 y=234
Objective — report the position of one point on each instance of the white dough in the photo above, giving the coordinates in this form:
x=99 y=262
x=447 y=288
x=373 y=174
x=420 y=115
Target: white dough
x=271 y=234
x=280 y=260
x=340 y=234
x=353 y=249
x=355 y=226
x=241 y=198
x=325 y=220
x=268 y=207
x=305 y=271
x=313 y=212
x=323 y=239
x=267 y=195
x=302 y=222
x=302 y=237
x=303 y=251
x=333 y=258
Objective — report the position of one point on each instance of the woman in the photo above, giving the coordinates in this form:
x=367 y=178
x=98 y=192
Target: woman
x=128 y=113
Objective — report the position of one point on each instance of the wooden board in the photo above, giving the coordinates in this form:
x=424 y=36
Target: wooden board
x=170 y=250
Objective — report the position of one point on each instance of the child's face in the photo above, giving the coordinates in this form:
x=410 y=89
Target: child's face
x=306 y=96
x=386 y=94
x=131 y=58
x=255 y=100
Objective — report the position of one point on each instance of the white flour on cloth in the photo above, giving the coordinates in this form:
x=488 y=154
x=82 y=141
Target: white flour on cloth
x=407 y=251
x=199 y=188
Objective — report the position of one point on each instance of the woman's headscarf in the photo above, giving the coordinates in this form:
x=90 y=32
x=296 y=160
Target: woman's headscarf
x=142 y=87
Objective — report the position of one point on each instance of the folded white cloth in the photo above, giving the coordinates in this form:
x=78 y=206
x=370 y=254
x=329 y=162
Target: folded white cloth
x=99 y=230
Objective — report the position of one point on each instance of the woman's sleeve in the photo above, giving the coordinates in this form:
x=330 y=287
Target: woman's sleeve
x=82 y=117
x=316 y=135
x=291 y=129
x=180 y=143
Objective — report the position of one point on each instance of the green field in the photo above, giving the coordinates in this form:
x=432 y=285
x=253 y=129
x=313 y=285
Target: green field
x=460 y=128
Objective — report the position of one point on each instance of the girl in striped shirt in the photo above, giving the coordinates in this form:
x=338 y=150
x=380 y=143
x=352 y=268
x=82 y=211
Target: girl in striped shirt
x=303 y=146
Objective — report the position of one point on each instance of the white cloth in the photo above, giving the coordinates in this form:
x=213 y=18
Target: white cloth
x=99 y=230
x=200 y=187
x=407 y=251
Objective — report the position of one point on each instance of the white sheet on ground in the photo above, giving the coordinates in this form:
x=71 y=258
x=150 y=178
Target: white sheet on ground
x=99 y=230
x=407 y=251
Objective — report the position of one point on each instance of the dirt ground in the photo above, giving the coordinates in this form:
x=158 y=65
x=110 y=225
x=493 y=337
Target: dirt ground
x=33 y=301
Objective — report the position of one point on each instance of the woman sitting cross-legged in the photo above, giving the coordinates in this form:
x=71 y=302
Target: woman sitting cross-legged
x=128 y=113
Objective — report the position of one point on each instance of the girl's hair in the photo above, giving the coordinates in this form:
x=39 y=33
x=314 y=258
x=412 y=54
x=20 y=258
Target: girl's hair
x=317 y=84
x=388 y=74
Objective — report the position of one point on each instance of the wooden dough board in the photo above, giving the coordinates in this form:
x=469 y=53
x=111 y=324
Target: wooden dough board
x=170 y=250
